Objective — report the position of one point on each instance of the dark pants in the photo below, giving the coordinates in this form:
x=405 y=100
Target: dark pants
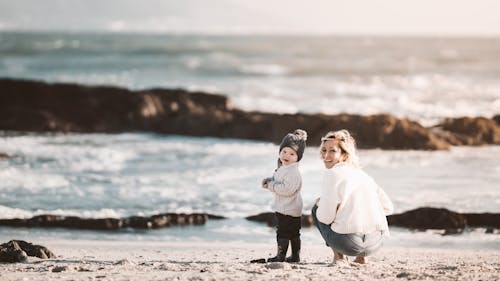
x=288 y=226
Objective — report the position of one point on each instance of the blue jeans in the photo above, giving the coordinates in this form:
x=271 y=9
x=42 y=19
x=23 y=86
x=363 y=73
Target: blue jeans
x=352 y=244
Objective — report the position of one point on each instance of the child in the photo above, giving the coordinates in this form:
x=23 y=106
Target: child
x=286 y=184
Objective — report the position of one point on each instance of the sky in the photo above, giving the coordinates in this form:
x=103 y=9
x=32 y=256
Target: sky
x=368 y=17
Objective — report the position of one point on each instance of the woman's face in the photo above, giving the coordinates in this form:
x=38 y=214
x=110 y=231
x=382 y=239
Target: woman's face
x=331 y=154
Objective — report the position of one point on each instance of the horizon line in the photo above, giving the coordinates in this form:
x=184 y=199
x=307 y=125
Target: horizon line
x=278 y=33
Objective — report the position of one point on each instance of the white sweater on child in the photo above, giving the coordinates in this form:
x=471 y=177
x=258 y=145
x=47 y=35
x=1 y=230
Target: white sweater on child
x=286 y=185
x=352 y=202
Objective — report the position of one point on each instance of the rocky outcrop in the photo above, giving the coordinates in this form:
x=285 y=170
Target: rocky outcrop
x=270 y=219
x=267 y=217
x=428 y=218
x=139 y=222
x=41 y=107
x=470 y=131
x=4 y=156
x=18 y=251
x=490 y=220
x=496 y=118
x=37 y=106
x=382 y=130
x=439 y=218
x=419 y=219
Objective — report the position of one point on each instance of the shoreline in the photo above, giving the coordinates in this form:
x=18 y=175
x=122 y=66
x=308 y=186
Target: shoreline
x=129 y=260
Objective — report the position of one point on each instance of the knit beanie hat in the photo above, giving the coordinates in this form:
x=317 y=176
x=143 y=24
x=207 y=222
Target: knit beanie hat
x=296 y=141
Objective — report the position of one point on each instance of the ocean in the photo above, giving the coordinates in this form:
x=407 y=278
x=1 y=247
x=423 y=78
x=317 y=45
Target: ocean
x=424 y=79
x=118 y=175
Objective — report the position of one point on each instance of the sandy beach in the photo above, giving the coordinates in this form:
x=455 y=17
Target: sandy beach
x=118 y=260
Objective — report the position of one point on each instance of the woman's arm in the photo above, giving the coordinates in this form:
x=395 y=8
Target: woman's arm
x=330 y=198
x=385 y=201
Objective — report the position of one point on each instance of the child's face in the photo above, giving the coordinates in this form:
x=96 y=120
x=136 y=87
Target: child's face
x=288 y=156
x=331 y=154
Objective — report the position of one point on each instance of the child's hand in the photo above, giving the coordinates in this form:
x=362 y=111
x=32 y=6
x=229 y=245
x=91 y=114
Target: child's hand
x=265 y=181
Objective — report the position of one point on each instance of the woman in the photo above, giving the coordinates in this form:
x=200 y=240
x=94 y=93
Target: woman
x=350 y=214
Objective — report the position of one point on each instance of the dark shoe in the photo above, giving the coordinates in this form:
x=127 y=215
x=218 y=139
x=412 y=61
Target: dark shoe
x=295 y=257
x=258 y=261
x=282 y=249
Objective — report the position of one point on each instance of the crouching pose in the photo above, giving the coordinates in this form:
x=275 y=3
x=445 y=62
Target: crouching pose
x=351 y=212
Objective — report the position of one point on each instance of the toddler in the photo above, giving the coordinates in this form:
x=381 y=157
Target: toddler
x=286 y=184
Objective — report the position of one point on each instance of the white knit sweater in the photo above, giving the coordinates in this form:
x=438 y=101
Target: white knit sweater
x=352 y=202
x=286 y=184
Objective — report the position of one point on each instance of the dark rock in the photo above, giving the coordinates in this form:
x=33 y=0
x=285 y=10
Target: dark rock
x=496 y=118
x=383 y=131
x=483 y=220
x=66 y=222
x=199 y=218
x=215 y=217
x=60 y=268
x=35 y=250
x=306 y=221
x=14 y=222
x=38 y=106
x=270 y=219
x=428 y=218
x=11 y=252
x=489 y=230
x=4 y=156
x=18 y=251
x=92 y=224
x=139 y=222
x=472 y=131
x=165 y=220
x=403 y=275
x=420 y=219
x=47 y=221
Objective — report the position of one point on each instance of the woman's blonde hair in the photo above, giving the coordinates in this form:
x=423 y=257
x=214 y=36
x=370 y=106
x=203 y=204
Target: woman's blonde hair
x=346 y=143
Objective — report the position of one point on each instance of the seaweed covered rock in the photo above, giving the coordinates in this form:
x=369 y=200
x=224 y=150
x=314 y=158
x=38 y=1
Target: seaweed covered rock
x=18 y=251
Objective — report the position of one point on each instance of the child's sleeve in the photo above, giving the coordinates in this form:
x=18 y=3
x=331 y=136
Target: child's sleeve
x=288 y=187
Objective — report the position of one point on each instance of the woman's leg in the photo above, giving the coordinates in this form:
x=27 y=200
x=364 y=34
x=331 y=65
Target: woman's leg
x=371 y=243
x=345 y=244
x=328 y=235
x=374 y=242
x=324 y=229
